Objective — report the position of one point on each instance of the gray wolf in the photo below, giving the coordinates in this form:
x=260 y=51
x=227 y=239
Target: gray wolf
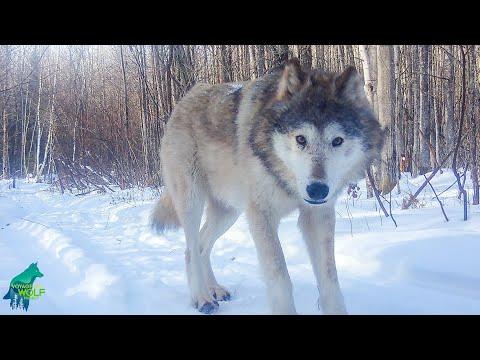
x=292 y=139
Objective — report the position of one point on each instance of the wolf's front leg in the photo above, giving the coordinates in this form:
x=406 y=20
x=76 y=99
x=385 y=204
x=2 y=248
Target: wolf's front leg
x=318 y=228
x=263 y=227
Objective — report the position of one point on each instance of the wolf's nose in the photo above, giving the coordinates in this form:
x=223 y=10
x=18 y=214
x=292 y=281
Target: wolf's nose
x=317 y=191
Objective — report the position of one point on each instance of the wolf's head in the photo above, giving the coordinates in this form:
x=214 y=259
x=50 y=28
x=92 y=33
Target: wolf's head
x=33 y=271
x=321 y=132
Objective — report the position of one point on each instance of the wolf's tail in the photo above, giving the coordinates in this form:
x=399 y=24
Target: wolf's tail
x=163 y=216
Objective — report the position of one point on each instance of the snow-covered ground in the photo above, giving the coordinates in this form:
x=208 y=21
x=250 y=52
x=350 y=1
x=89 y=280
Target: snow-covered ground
x=99 y=256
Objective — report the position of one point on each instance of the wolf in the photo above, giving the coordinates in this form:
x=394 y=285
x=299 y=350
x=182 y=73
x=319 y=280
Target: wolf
x=292 y=139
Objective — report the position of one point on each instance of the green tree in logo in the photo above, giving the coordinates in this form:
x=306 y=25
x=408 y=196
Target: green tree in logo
x=21 y=288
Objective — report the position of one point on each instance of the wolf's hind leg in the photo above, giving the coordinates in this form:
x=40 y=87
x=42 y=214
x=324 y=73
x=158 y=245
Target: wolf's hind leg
x=219 y=219
x=189 y=200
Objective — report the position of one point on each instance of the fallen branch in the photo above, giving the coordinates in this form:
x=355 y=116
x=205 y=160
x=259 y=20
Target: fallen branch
x=425 y=183
x=436 y=196
x=35 y=222
x=389 y=202
x=390 y=209
x=448 y=188
x=376 y=192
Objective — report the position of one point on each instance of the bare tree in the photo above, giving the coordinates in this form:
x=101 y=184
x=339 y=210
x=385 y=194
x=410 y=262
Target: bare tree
x=368 y=54
x=305 y=55
x=449 y=91
x=424 y=152
x=5 y=115
x=260 y=60
x=68 y=109
x=386 y=102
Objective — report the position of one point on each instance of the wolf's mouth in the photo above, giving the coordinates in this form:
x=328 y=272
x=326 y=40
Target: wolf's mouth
x=315 y=202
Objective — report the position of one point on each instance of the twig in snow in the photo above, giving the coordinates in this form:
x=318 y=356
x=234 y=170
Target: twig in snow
x=410 y=201
x=449 y=186
x=390 y=208
x=48 y=227
x=376 y=192
x=441 y=205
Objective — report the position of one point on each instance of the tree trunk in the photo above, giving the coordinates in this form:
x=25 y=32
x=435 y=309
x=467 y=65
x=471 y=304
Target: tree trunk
x=226 y=64
x=260 y=60
x=125 y=92
x=368 y=53
x=320 y=56
x=449 y=90
x=424 y=151
x=386 y=115
x=415 y=109
x=253 y=60
x=5 y=115
x=369 y=64
x=475 y=120
x=280 y=54
x=305 y=55
x=399 y=116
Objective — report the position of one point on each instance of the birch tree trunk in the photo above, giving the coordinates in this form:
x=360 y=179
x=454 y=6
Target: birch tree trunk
x=226 y=64
x=38 y=124
x=368 y=54
x=260 y=60
x=386 y=100
x=125 y=92
x=475 y=128
x=280 y=54
x=48 y=145
x=415 y=109
x=399 y=116
x=5 y=115
x=449 y=90
x=320 y=56
x=305 y=55
x=424 y=151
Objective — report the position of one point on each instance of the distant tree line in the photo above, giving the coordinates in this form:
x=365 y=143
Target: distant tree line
x=93 y=116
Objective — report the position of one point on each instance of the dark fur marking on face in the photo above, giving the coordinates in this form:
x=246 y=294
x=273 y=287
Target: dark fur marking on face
x=316 y=106
x=260 y=143
x=318 y=171
x=318 y=102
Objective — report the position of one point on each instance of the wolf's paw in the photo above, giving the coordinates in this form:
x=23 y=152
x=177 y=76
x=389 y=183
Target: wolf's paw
x=219 y=293
x=207 y=307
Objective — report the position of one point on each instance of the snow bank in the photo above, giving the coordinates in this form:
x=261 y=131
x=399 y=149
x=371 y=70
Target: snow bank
x=99 y=256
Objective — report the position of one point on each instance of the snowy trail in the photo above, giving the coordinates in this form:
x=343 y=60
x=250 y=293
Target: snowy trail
x=99 y=256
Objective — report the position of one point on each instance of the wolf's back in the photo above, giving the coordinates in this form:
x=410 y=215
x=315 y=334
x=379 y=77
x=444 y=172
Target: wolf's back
x=164 y=216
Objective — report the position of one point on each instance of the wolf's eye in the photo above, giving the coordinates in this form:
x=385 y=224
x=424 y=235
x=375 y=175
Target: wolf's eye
x=337 y=141
x=301 y=140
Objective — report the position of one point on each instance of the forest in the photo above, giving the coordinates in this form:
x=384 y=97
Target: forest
x=92 y=117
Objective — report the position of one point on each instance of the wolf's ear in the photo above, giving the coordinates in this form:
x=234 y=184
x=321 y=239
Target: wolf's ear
x=292 y=79
x=349 y=86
